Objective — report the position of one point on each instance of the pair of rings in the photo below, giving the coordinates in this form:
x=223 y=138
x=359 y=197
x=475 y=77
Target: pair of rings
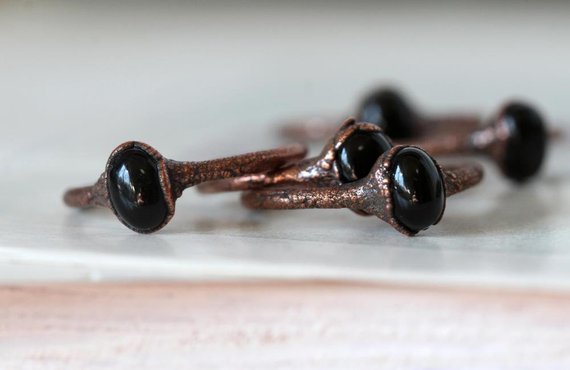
x=515 y=138
x=359 y=169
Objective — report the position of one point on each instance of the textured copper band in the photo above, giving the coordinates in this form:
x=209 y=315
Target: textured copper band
x=516 y=140
x=318 y=171
x=175 y=176
x=315 y=129
x=371 y=195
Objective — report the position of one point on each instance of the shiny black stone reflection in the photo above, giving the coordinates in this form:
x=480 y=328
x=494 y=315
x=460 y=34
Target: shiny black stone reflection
x=527 y=142
x=418 y=193
x=135 y=191
x=356 y=156
x=389 y=110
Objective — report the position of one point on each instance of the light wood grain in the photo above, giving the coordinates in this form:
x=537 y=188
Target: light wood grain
x=279 y=326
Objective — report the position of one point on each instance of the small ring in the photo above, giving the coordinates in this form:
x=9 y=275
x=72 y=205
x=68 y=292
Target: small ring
x=141 y=186
x=516 y=139
x=406 y=188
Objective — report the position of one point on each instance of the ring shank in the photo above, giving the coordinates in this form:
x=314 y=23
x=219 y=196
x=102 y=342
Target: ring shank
x=79 y=197
x=88 y=196
x=246 y=182
x=310 y=129
x=298 y=197
x=186 y=174
x=314 y=129
x=301 y=172
x=458 y=178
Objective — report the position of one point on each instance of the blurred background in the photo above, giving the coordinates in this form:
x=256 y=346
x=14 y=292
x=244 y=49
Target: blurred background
x=202 y=79
x=197 y=66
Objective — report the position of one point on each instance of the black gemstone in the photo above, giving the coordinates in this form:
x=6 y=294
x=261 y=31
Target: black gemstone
x=526 y=145
x=356 y=156
x=389 y=110
x=418 y=193
x=135 y=191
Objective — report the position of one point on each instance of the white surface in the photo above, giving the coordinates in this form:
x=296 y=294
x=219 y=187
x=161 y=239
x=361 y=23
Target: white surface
x=77 y=80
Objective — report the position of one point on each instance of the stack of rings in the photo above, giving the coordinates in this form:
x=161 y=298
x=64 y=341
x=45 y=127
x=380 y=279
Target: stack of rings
x=360 y=167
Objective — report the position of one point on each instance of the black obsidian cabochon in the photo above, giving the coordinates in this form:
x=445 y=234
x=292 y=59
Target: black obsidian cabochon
x=418 y=192
x=135 y=191
x=389 y=110
x=359 y=152
x=526 y=146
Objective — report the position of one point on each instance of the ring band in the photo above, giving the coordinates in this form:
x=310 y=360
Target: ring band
x=321 y=170
x=141 y=186
x=376 y=193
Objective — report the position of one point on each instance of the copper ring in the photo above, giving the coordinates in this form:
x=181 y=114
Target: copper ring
x=516 y=139
x=390 y=110
x=373 y=194
x=321 y=170
x=160 y=181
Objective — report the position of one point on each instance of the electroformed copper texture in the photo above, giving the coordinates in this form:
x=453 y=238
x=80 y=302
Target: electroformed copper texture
x=516 y=139
x=376 y=193
x=141 y=186
x=387 y=108
x=321 y=170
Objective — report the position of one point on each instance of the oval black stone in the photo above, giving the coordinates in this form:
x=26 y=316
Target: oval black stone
x=387 y=109
x=526 y=146
x=135 y=191
x=356 y=156
x=418 y=193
